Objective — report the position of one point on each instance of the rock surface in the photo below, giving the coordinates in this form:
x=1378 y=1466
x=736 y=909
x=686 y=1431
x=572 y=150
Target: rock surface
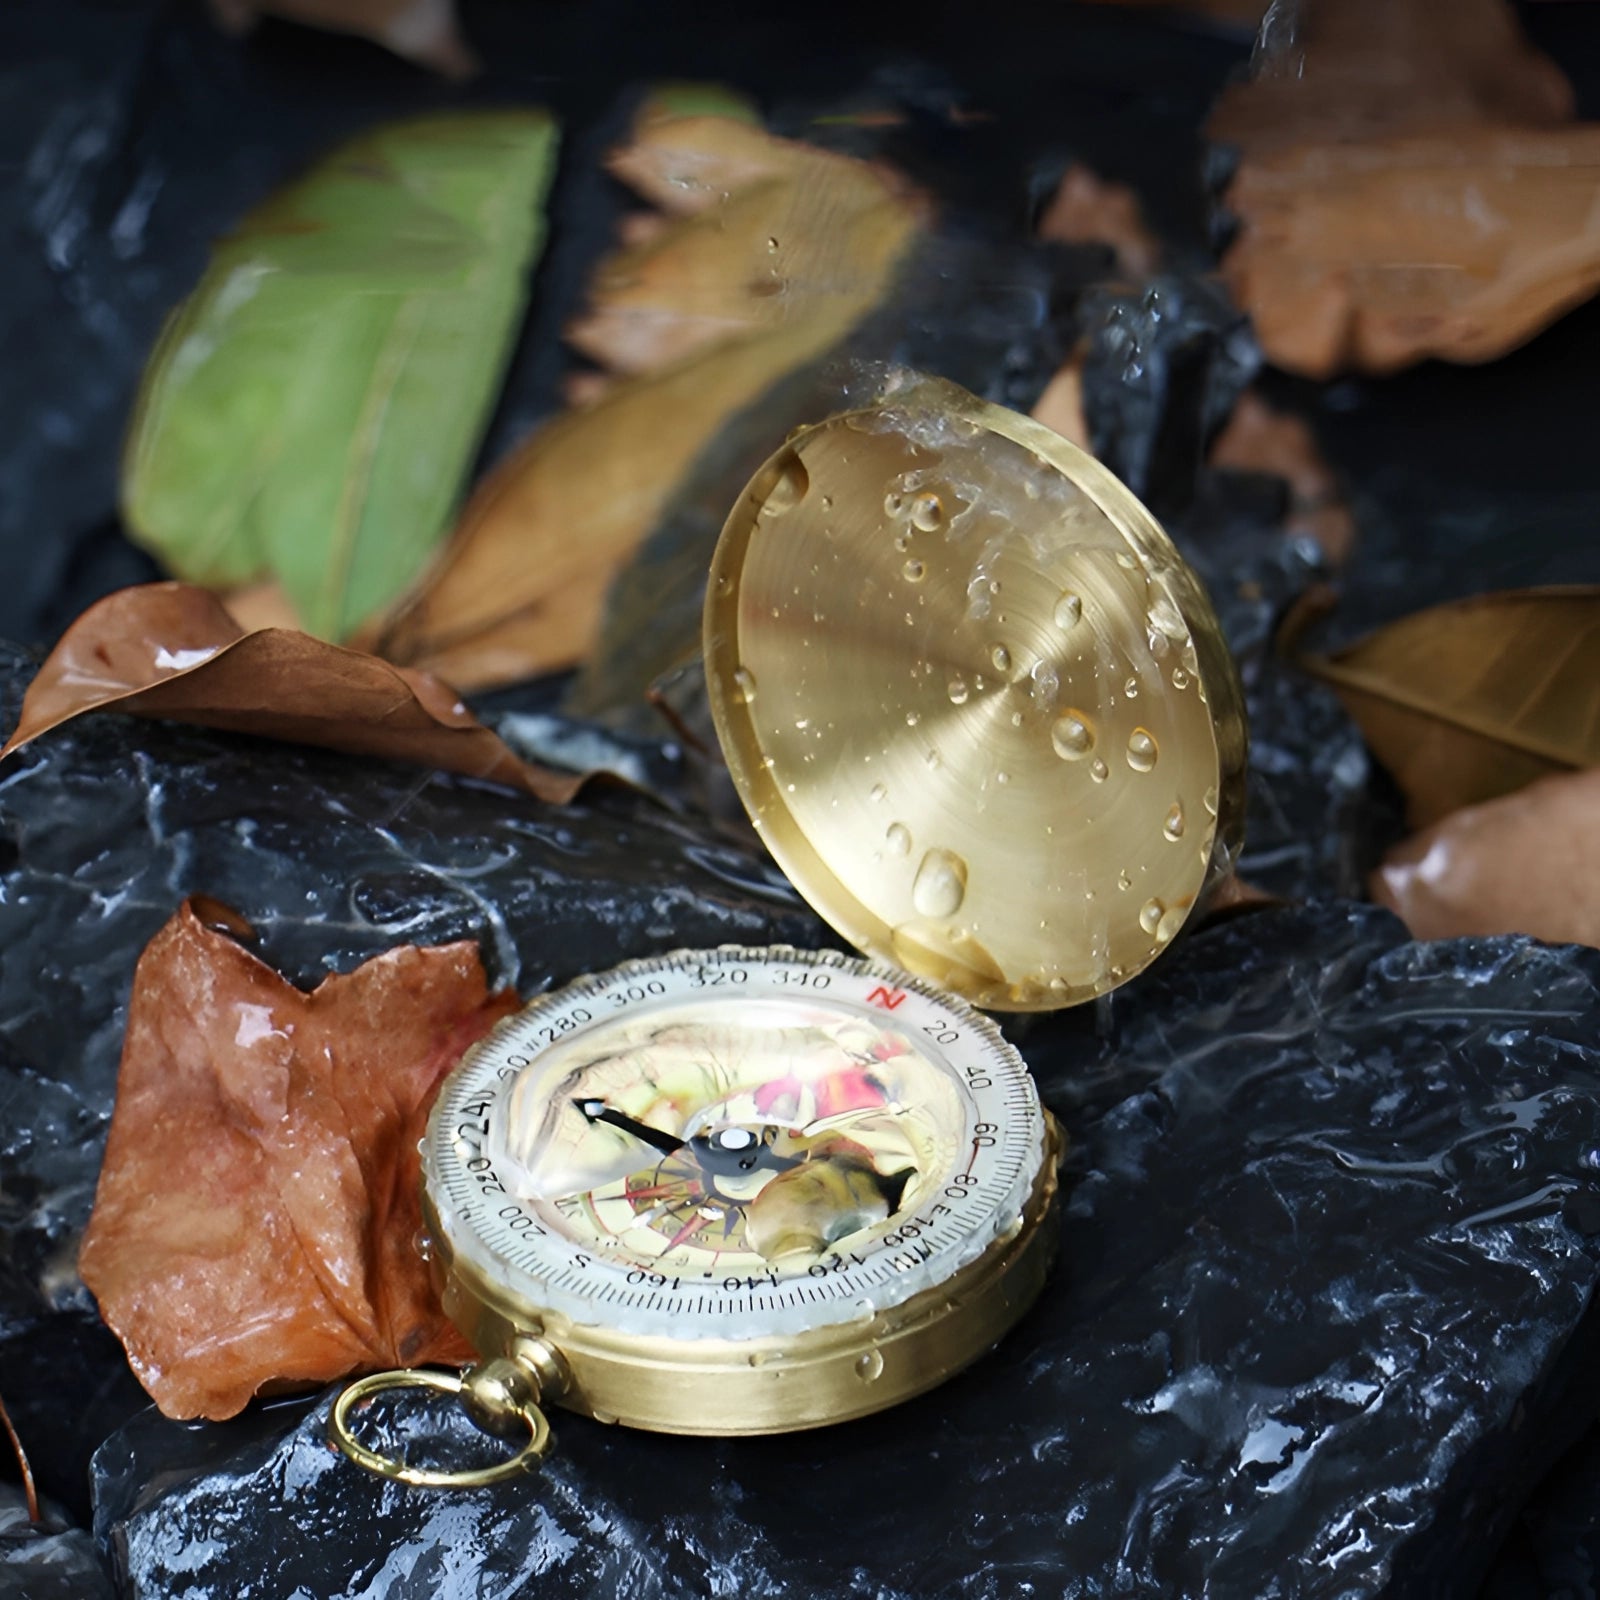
x=1321 y=1318
x=50 y=1561
x=106 y=825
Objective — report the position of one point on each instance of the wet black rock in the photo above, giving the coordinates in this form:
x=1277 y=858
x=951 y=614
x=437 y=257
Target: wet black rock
x=47 y=1561
x=110 y=822
x=1164 y=366
x=1320 y=1320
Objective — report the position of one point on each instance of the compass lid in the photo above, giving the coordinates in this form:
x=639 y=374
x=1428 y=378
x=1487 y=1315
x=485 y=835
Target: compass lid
x=976 y=704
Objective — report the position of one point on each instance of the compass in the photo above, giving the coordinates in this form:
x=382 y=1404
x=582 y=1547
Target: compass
x=728 y=1191
x=982 y=715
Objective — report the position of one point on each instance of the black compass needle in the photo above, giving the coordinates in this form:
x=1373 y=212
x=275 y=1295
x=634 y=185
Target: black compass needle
x=599 y=1111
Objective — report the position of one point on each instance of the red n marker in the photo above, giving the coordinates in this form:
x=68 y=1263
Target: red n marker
x=887 y=998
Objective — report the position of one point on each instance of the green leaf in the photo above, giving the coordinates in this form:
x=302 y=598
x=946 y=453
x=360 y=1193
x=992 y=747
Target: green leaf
x=312 y=408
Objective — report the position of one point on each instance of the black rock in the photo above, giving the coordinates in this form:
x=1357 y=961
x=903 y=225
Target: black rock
x=48 y=1561
x=108 y=823
x=1319 y=1322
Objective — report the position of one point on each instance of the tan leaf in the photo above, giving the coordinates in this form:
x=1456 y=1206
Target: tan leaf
x=257 y=1211
x=1259 y=439
x=1410 y=186
x=172 y=650
x=424 y=31
x=777 y=251
x=1528 y=862
x=1086 y=209
x=1474 y=699
x=1060 y=407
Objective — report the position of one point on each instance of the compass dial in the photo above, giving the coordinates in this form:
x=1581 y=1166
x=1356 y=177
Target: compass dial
x=733 y=1143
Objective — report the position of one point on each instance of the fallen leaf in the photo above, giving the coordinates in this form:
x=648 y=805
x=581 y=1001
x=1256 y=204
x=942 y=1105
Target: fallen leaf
x=1410 y=185
x=1467 y=701
x=1528 y=862
x=1060 y=407
x=172 y=650
x=775 y=252
x=424 y=31
x=312 y=408
x=1258 y=438
x=256 y=1216
x=1086 y=209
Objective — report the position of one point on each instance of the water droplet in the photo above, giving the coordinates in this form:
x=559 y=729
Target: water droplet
x=897 y=839
x=894 y=504
x=1167 y=618
x=1072 y=736
x=879 y=793
x=914 y=571
x=772 y=246
x=902 y=542
x=927 y=512
x=913 y=718
x=978 y=603
x=1209 y=801
x=1124 y=882
x=1173 y=828
x=1046 y=683
x=1171 y=921
x=1125 y=561
x=789 y=487
x=1180 y=678
x=1131 y=688
x=1001 y=658
x=1099 y=771
x=1142 y=751
x=827 y=502
x=1016 y=719
x=957 y=691
x=869 y=1366
x=724 y=584
x=940 y=885
x=1002 y=777
x=1069 y=611
x=1150 y=914
x=933 y=758
x=744 y=683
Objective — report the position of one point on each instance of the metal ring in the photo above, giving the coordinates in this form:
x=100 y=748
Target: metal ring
x=339 y=1432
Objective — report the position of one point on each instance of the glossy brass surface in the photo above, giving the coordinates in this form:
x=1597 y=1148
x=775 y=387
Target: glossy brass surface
x=977 y=705
x=770 y=1384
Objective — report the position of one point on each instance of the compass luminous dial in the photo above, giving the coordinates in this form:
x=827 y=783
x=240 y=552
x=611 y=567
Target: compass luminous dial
x=733 y=1142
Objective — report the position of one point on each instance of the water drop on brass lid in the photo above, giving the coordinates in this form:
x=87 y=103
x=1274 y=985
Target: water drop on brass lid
x=1042 y=588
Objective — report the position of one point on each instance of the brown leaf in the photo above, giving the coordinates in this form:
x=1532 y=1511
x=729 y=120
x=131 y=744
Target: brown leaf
x=775 y=252
x=256 y=1215
x=1474 y=699
x=1260 y=439
x=172 y=650
x=424 y=31
x=1526 y=863
x=1410 y=186
x=1086 y=209
x=1060 y=407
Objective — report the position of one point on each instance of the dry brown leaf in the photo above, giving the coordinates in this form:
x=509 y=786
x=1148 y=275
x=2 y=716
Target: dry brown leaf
x=778 y=250
x=1354 y=71
x=1259 y=439
x=1528 y=862
x=172 y=650
x=256 y=1217
x=1086 y=209
x=1467 y=701
x=1060 y=407
x=424 y=31
x=1410 y=186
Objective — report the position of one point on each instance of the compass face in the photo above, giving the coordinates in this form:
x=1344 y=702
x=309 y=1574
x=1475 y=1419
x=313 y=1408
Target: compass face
x=733 y=1143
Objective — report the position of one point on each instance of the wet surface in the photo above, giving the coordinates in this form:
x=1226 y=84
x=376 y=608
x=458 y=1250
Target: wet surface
x=1320 y=1320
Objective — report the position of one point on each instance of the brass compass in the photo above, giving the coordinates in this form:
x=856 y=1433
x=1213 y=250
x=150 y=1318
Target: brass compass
x=982 y=715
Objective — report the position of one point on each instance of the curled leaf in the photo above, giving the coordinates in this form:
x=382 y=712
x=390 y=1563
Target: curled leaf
x=1467 y=701
x=1528 y=862
x=172 y=650
x=256 y=1217
x=1087 y=209
x=313 y=407
x=774 y=252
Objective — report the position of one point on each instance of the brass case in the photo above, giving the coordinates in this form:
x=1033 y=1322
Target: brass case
x=765 y=1385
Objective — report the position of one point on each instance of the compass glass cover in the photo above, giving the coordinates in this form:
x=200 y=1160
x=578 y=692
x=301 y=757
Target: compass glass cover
x=714 y=1137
